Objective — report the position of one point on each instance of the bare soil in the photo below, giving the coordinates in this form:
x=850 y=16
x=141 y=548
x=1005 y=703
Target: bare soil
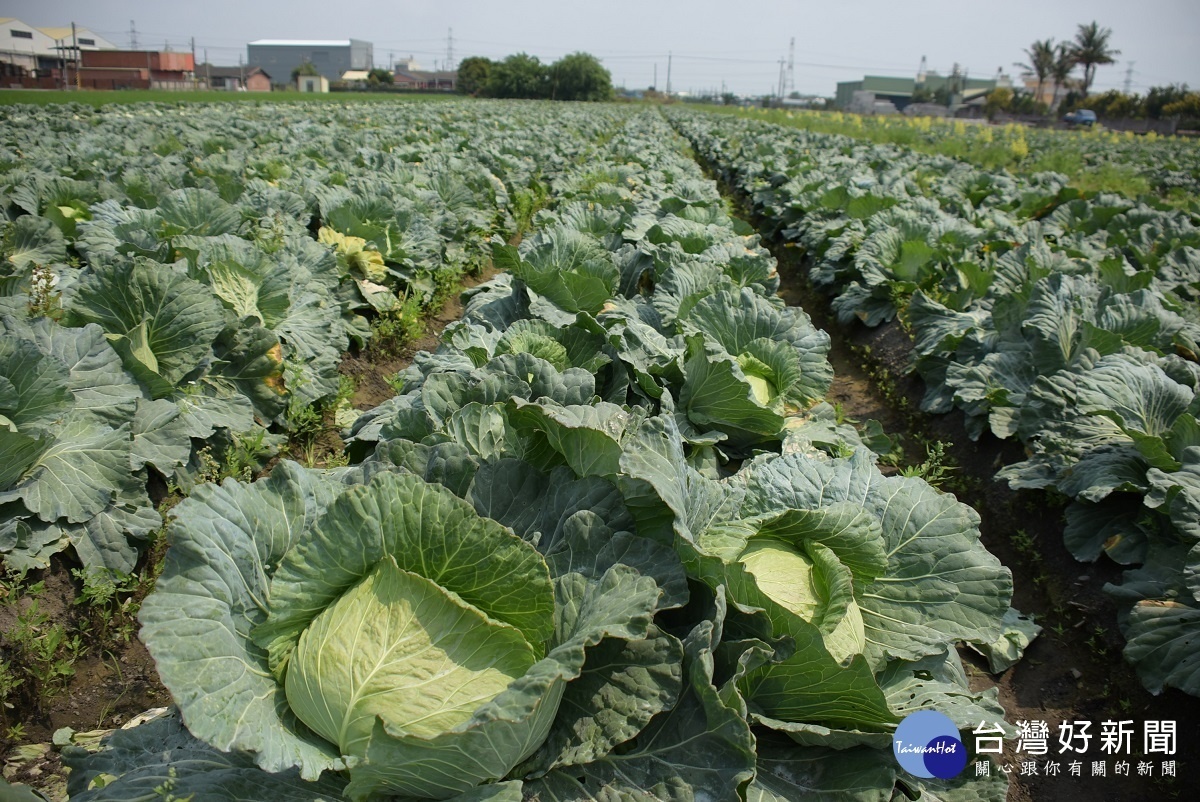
x=114 y=678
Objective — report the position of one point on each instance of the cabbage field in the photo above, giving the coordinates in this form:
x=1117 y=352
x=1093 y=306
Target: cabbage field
x=608 y=539
x=1067 y=322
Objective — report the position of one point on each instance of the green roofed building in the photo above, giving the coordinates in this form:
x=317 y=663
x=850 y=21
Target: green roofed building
x=899 y=91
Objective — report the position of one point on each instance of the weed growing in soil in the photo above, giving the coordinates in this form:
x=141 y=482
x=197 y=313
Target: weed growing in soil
x=40 y=655
x=110 y=605
x=528 y=202
x=309 y=426
x=44 y=298
x=391 y=330
x=936 y=468
x=240 y=460
x=447 y=281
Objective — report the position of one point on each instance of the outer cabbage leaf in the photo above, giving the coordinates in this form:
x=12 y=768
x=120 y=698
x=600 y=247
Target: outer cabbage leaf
x=33 y=387
x=701 y=746
x=939 y=581
x=162 y=322
x=568 y=267
x=215 y=587
x=140 y=763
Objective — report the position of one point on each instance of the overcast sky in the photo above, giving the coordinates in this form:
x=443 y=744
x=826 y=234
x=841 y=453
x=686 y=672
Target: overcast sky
x=737 y=43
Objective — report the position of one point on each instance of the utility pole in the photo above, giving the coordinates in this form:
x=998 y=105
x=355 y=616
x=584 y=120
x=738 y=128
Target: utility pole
x=133 y=42
x=781 y=77
x=668 y=73
x=391 y=61
x=207 y=70
x=656 y=77
x=791 y=82
x=193 y=43
x=75 y=47
x=449 y=49
x=1129 y=77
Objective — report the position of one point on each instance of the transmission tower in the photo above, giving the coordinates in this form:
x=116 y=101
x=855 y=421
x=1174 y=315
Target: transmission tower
x=449 y=49
x=791 y=78
x=133 y=43
x=1129 y=77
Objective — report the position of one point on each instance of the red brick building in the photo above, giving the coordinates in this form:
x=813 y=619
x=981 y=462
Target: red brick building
x=134 y=69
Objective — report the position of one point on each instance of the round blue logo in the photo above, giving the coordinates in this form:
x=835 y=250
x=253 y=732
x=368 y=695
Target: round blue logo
x=927 y=744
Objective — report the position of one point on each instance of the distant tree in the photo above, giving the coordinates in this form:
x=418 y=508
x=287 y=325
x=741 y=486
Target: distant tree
x=729 y=98
x=305 y=68
x=1159 y=97
x=998 y=100
x=379 y=76
x=473 y=75
x=1040 y=62
x=580 y=76
x=1064 y=65
x=1187 y=108
x=1090 y=49
x=1114 y=105
x=1026 y=103
x=521 y=75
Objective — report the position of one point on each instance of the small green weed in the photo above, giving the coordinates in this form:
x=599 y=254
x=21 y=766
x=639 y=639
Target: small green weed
x=393 y=329
x=937 y=467
x=109 y=603
x=528 y=202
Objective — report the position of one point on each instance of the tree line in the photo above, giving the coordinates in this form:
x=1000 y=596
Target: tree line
x=579 y=76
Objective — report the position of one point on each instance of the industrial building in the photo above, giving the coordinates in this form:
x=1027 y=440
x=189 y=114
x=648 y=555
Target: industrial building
x=899 y=91
x=31 y=56
x=331 y=57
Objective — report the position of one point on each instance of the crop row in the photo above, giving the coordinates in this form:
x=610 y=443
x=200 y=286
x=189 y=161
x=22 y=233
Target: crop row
x=1093 y=158
x=179 y=284
x=1069 y=322
x=617 y=538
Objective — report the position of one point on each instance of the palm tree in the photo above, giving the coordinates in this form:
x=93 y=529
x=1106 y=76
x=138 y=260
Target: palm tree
x=1090 y=49
x=1060 y=71
x=1040 y=64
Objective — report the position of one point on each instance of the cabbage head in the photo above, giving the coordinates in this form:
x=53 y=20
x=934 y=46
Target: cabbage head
x=384 y=629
